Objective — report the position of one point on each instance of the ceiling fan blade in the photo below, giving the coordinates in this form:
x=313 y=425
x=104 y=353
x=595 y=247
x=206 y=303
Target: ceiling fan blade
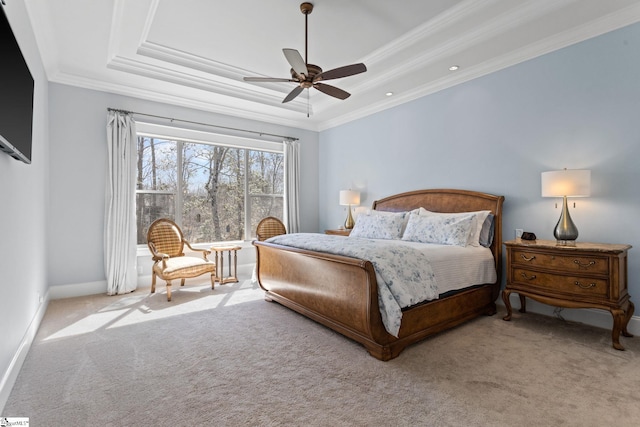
x=346 y=71
x=332 y=91
x=267 y=79
x=295 y=60
x=295 y=92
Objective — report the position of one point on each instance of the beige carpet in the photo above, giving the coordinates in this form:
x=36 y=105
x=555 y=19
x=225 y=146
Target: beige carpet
x=228 y=358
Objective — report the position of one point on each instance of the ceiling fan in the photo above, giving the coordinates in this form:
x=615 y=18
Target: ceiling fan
x=309 y=75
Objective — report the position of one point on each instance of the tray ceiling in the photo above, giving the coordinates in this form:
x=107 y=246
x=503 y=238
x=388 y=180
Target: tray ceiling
x=194 y=53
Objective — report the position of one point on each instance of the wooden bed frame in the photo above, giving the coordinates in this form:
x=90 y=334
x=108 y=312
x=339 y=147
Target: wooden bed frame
x=341 y=292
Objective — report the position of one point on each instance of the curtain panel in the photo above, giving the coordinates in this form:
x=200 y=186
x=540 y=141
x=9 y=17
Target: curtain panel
x=120 y=203
x=292 y=186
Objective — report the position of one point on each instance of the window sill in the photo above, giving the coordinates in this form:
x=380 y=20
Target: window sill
x=143 y=250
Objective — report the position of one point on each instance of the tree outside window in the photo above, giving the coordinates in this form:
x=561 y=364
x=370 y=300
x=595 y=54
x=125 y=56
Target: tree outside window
x=215 y=193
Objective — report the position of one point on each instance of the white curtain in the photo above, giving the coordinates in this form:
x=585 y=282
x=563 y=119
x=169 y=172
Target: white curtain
x=292 y=186
x=120 y=214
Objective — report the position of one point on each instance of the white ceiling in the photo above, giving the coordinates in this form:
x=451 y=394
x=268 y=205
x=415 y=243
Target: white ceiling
x=195 y=53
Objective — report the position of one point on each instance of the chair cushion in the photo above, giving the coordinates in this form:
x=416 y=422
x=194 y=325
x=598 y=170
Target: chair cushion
x=184 y=266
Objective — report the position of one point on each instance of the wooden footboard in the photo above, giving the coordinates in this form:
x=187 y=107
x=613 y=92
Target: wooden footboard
x=337 y=291
x=342 y=293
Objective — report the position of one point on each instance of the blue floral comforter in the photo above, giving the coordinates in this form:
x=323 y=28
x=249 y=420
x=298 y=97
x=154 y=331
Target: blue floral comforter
x=404 y=274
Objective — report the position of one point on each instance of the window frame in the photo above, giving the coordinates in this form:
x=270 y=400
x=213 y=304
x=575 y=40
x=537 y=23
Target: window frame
x=181 y=135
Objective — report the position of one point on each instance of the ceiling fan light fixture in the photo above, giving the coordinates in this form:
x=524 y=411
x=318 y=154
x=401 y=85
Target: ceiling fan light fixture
x=309 y=75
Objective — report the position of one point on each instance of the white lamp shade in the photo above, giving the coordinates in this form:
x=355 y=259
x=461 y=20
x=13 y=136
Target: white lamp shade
x=349 y=197
x=570 y=183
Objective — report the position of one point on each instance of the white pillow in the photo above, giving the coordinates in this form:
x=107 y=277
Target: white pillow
x=441 y=229
x=405 y=216
x=476 y=227
x=378 y=226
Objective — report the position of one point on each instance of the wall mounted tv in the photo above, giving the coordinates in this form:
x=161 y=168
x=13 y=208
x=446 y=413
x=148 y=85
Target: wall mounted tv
x=16 y=96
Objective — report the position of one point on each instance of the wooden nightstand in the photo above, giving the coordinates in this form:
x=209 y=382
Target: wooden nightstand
x=587 y=275
x=338 y=232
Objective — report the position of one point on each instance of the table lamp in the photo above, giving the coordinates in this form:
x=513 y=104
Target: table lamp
x=566 y=183
x=349 y=198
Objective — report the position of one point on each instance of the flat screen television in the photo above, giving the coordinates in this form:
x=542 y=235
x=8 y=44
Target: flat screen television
x=16 y=96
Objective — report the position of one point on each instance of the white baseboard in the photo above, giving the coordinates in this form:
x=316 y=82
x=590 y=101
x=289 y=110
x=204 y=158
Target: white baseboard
x=78 y=289
x=100 y=286
x=11 y=374
x=588 y=316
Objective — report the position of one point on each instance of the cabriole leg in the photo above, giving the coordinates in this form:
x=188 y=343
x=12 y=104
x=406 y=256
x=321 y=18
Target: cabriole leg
x=618 y=322
x=507 y=303
x=630 y=311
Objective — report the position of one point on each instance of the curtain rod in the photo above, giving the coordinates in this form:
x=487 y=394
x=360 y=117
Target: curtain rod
x=291 y=138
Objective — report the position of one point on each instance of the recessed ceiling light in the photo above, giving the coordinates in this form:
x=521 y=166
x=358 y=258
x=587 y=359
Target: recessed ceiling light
x=389 y=93
x=454 y=67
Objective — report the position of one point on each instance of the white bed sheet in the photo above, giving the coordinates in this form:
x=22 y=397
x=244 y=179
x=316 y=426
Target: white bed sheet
x=456 y=267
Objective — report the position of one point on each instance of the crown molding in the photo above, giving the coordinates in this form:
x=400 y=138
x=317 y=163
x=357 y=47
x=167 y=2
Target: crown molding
x=428 y=29
x=189 y=60
x=155 y=96
x=173 y=76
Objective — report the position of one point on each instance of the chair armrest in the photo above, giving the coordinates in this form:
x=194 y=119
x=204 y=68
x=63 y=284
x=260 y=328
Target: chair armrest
x=157 y=256
x=205 y=252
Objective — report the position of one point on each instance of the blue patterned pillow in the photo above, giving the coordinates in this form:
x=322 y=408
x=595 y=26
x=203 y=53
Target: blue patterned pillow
x=441 y=229
x=476 y=225
x=378 y=226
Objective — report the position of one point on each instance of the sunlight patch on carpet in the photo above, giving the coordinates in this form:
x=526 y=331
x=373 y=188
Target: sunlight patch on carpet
x=134 y=309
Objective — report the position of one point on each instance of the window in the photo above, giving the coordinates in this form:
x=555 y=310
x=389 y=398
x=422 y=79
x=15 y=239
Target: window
x=215 y=192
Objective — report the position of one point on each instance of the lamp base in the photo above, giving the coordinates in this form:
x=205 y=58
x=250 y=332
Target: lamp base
x=566 y=231
x=349 y=223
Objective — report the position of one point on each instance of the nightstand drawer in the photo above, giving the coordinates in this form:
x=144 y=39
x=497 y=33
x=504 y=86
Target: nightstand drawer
x=565 y=263
x=575 y=285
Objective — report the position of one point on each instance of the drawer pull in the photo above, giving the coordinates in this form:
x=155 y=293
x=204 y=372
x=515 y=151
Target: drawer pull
x=589 y=286
x=533 y=276
x=581 y=265
x=527 y=259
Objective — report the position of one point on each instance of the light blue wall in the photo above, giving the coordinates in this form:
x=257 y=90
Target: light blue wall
x=576 y=108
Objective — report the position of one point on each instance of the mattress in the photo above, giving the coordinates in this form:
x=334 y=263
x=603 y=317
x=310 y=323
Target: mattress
x=455 y=267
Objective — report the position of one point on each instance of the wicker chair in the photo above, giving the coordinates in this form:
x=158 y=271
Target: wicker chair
x=269 y=227
x=166 y=242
